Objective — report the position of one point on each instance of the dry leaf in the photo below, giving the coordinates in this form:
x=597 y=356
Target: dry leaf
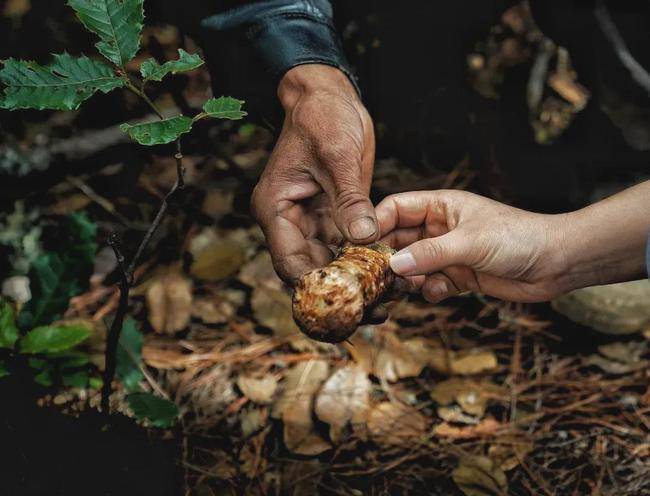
x=627 y=353
x=213 y=311
x=215 y=257
x=474 y=363
x=259 y=391
x=272 y=309
x=486 y=427
x=260 y=272
x=169 y=300
x=206 y=391
x=252 y=420
x=455 y=414
x=295 y=407
x=620 y=358
x=471 y=395
x=480 y=476
x=69 y=204
x=344 y=398
x=217 y=203
x=395 y=424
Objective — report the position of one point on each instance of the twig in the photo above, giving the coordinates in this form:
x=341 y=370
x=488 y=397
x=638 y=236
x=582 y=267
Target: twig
x=126 y=279
x=114 y=332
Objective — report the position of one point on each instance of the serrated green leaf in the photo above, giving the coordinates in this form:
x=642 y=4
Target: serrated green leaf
x=62 y=85
x=56 y=277
x=151 y=70
x=8 y=329
x=129 y=356
x=4 y=370
x=159 y=132
x=158 y=411
x=224 y=107
x=75 y=379
x=117 y=22
x=47 y=339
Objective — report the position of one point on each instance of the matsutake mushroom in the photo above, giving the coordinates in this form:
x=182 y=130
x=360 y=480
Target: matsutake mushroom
x=329 y=303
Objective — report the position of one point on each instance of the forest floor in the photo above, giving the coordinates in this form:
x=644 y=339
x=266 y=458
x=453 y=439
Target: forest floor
x=473 y=396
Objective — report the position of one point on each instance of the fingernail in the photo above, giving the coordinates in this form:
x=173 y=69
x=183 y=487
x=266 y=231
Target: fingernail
x=362 y=228
x=402 y=262
x=438 y=288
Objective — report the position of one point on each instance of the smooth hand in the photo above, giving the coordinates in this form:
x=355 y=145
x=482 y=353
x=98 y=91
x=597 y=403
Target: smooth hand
x=455 y=241
x=314 y=190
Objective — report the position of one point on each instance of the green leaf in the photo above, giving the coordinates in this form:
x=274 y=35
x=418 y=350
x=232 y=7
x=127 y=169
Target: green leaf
x=82 y=233
x=4 y=370
x=159 y=411
x=37 y=363
x=129 y=356
x=159 y=132
x=74 y=362
x=117 y=22
x=8 y=329
x=224 y=107
x=75 y=379
x=62 y=85
x=151 y=70
x=56 y=277
x=95 y=383
x=46 y=339
x=44 y=377
x=51 y=290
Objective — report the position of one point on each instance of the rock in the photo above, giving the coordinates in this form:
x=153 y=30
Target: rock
x=615 y=309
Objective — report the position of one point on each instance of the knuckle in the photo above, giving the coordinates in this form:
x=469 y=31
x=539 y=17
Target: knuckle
x=257 y=201
x=350 y=197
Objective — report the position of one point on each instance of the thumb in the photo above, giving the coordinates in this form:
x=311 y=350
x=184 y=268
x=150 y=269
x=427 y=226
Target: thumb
x=354 y=215
x=433 y=254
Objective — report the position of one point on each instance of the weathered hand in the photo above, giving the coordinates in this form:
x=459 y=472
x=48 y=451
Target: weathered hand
x=454 y=241
x=314 y=190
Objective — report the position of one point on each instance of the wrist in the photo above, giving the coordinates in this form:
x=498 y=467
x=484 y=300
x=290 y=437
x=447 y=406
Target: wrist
x=308 y=79
x=596 y=252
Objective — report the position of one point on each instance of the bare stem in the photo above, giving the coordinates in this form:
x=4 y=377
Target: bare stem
x=127 y=271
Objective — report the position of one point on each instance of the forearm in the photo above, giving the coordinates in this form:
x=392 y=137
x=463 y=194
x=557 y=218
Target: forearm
x=605 y=242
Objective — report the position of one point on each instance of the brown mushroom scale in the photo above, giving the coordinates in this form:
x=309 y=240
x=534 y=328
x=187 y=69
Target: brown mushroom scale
x=329 y=303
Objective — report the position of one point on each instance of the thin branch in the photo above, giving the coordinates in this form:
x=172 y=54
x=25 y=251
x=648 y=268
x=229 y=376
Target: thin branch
x=114 y=332
x=127 y=277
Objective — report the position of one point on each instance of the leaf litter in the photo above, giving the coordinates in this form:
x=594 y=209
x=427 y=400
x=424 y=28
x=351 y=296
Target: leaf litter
x=470 y=397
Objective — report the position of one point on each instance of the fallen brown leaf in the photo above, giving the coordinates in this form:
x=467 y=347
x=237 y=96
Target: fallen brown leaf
x=259 y=391
x=343 y=399
x=215 y=257
x=260 y=272
x=471 y=395
x=169 y=300
x=395 y=424
x=474 y=363
x=213 y=311
x=295 y=406
x=507 y=453
x=486 y=427
x=480 y=476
